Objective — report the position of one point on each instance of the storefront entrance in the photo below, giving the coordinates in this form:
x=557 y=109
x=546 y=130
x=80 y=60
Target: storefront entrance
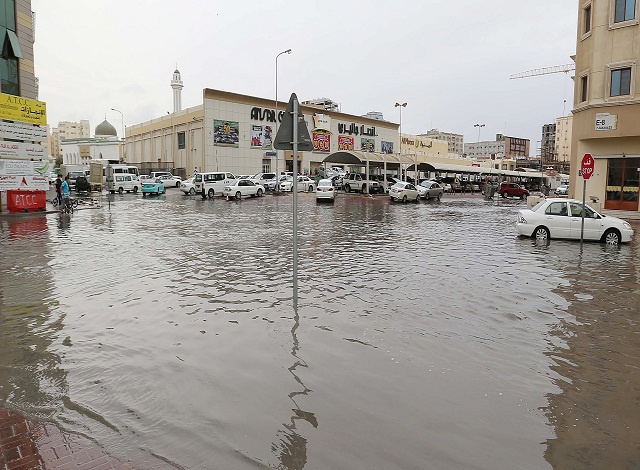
x=622 y=184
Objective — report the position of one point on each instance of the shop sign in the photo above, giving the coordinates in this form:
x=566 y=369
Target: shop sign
x=321 y=141
x=264 y=114
x=24 y=182
x=261 y=136
x=606 y=122
x=322 y=122
x=20 y=131
x=417 y=143
x=23 y=167
x=354 y=129
x=346 y=143
x=17 y=108
x=22 y=150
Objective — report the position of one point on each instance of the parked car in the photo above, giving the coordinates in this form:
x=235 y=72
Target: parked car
x=271 y=184
x=125 y=182
x=562 y=218
x=304 y=184
x=325 y=191
x=188 y=186
x=170 y=181
x=212 y=183
x=243 y=188
x=153 y=186
x=73 y=176
x=262 y=178
x=513 y=190
x=357 y=182
x=433 y=189
x=562 y=190
x=403 y=191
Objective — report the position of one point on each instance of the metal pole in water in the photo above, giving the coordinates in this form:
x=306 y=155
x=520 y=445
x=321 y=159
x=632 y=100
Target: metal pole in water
x=295 y=202
x=584 y=195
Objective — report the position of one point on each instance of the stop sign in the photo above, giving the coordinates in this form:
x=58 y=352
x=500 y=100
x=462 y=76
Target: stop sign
x=587 y=166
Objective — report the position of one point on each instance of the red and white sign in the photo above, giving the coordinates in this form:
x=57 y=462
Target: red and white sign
x=23 y=182
x=345 y=143
x=321 y=142
x=586 y=168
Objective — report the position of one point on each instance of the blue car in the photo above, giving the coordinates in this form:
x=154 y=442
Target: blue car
x=153 y=186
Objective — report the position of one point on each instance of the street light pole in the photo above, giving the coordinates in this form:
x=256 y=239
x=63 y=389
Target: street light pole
x=478 y=144
x=398 y=105
x=277 y=185
x=124 y=141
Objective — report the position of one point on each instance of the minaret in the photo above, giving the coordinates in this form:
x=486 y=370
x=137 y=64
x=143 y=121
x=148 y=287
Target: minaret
x=176 y=84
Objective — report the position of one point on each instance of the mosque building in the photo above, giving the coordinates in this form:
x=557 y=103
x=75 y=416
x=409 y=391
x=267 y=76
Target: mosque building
x=104 y=145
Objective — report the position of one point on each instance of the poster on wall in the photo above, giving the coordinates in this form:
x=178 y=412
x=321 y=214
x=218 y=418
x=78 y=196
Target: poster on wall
x=261 y=136
x=321 y=141
x=346 y=143
x=386 y=147
x=367 y=145
x=226 y=133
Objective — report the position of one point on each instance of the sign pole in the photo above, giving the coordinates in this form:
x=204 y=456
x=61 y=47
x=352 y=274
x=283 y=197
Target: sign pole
x=295 y=201
x=584 y=195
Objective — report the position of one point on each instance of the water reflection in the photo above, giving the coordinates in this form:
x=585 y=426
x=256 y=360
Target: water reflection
x=596 y=413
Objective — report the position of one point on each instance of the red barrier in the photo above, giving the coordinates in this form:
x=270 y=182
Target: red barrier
x=26 y=201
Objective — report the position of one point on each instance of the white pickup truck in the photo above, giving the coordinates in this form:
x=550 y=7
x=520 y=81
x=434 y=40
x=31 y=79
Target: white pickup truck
x=356 y=182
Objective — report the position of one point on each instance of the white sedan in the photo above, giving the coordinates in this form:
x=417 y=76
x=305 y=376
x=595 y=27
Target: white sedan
x=188 y=186
x=170 y=181
x=304 y=184
x=325 y=191
x=403 y=191
x=242 y=188
x=562 y=218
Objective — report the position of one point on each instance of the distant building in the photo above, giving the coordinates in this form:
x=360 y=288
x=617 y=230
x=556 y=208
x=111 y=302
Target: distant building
x=563 y=142
x=104 y=145
x=325 y=103
x=503 y=147
x=454 y=141
x=548 y=145
x=67 y=130
x=377 y=115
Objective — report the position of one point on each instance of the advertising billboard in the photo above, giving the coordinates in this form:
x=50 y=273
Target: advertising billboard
x=321 y=141
x=226 y=133
x=346 y=143
x=17 y=108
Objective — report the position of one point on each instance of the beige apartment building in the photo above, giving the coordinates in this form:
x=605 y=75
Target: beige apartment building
x=607 y=101
x=67 y=130
x=563 y=142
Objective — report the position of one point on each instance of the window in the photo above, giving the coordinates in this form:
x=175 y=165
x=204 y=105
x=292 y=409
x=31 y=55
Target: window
x=557 y=208
x=621 y=82
x=181 y=141
x=624 y=10
x=584 y=88
x=587 y=19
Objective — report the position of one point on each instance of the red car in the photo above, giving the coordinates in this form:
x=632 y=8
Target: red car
x=513 y=190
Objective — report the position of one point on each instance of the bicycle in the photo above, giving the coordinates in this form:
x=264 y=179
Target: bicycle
x=70 y=205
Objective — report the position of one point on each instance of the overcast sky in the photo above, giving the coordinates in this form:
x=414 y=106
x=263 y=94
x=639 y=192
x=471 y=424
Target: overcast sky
x=450 y=61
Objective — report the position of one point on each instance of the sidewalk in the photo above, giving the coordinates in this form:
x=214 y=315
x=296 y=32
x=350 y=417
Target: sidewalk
x=27 y=444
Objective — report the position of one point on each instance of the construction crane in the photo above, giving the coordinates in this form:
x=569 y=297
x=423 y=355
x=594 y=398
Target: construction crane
x=545 y=71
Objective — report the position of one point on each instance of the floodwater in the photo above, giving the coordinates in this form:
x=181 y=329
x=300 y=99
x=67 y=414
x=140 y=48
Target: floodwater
x=426 y=336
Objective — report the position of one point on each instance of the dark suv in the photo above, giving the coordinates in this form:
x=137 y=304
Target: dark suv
x=513 y=190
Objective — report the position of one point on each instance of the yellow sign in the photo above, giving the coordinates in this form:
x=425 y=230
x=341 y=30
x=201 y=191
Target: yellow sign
x=17 y=108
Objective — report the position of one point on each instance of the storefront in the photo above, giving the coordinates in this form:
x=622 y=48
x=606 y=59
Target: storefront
x=622 y=183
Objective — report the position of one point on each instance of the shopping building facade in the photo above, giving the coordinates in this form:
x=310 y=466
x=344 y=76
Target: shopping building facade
x=607 y=102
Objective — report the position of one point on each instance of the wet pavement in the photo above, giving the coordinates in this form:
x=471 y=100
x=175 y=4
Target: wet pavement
x=162 y=331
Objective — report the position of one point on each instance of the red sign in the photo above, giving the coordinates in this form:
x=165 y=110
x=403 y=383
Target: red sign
x=26 y=201
x=345 y=143
x=321 y=142
x=586 y=169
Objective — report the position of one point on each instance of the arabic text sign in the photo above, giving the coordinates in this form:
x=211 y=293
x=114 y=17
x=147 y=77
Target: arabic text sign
x=24 y=182
x=22 y=150
x=17 y=108
x=20 y=131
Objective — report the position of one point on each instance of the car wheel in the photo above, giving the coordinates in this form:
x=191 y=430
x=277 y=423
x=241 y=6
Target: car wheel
x=364 y=189
x=310 y=188
x=238 y=195
x=192 y=191
x=135 y=190
x=541 y=233
x=404 y=198
x=120 y=190
x=347 y=188
x=504 y=194
x=523 y=196
x=178 y=184
x=439 y=197
x=259 y=193
x=210 y=194
x=611 y=237
x=158 y=192
x=144 y=194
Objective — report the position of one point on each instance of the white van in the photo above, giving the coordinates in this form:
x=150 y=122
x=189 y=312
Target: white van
x=212 y=183
x=125 y=182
